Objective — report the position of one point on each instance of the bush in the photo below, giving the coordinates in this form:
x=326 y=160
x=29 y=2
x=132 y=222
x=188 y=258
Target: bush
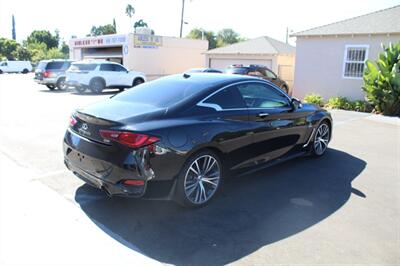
x=314 y=99
x=339 y=103
x=382 y=81
x=362 y=106
x=345 y=104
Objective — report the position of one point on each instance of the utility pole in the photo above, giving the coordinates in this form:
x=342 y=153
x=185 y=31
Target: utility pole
x=14 y=35
x=183 y=11
x=287 y=35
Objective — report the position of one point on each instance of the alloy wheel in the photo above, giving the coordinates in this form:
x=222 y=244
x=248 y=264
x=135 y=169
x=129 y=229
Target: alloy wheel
x=321 y=139
x=202 y=179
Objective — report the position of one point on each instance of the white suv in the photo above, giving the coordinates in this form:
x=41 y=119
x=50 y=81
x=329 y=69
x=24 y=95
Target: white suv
x=99 y=75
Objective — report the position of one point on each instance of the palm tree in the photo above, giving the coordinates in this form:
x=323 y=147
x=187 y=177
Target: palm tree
x=130 y=11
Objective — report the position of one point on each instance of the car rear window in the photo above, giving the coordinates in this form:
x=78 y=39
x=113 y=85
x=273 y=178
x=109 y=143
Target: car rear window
x=83 y=67
x=42 y=65
x=236 y=70
x=54 y=65
x=164 y=92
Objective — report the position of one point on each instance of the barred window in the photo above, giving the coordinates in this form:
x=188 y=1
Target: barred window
x=354 y=60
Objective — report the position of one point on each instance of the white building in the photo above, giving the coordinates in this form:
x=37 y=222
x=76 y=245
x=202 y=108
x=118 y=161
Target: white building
x=330 y=59
x=156 y=56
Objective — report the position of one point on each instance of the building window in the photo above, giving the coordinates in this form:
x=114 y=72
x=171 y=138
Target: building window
x=354 y=60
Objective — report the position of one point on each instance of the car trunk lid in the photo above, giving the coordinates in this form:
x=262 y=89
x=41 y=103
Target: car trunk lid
x=111 y=115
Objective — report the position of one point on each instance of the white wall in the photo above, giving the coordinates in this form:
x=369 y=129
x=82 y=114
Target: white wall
x=174 y=56
x=319 y=65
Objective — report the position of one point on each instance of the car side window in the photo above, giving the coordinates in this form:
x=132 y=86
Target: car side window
x=106 y=67
x=4 y=64
x=270 y=74
x=256 y=73
x=259 y=95
x=119 y=68
x=227 y=98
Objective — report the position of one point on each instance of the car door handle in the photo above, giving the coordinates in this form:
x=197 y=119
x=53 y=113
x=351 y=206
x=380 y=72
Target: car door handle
x=262 y=115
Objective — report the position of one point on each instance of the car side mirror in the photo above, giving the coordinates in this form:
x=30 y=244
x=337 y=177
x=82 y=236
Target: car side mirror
x=296 y=103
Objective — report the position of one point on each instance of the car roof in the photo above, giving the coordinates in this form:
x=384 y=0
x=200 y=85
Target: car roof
x=56 y=60
x=249 y=66
x=95 y=62
x=212 y=79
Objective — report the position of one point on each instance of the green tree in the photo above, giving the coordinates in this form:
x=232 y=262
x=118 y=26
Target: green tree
x=102 y=30
x=44 y=36
x=22 y=53
x=54 y=53
x=140 y=23
x=197 y=33
x=115 y=25
x=13 y=32
x=382 y=81
x=130 y=11
x=227 y=36
x=38 y=51
x=7 y=47
x=65 y=49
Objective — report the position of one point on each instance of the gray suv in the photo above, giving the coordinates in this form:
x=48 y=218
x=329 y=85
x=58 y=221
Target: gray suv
x=52 y=73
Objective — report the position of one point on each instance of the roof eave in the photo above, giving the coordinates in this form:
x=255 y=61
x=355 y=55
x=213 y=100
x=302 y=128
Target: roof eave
x=343 y=34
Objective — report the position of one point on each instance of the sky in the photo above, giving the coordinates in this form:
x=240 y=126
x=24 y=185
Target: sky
x=251 y=18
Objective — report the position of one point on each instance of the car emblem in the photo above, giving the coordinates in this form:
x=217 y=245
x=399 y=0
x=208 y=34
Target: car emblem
x=84 y=126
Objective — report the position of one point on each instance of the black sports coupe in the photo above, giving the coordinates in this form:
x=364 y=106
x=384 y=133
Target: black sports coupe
x=178 y=136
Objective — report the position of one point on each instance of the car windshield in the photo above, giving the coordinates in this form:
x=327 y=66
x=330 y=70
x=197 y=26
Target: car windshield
x=83 y=67
x=162 y=93
x=236 y=70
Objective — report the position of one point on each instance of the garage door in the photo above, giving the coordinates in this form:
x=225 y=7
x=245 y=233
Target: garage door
x=224 y=63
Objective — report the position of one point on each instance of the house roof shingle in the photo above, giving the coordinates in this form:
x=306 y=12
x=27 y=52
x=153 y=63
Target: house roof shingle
x=379 y=22
x=260 y=45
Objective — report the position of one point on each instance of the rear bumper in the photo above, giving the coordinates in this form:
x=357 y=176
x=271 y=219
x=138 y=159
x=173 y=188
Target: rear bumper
x=46 y=81
x=107 y=167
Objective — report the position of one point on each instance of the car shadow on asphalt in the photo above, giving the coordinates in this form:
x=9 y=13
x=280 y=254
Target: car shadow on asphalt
x=251 y=212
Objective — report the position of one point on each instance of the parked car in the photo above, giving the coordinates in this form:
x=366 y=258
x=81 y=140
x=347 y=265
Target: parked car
x=259 y=71
x=204 y=70
x=52 y=73
x=15 y=67
x=177 y=137
x=99 y=75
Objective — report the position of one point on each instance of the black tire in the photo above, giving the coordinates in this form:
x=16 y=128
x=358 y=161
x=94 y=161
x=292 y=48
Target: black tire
x=137 y=81
x=61 y=85
x=97 y=85
x=80 y=89
x=25 y=71
x=186 y=175
x=321 y=139
x=1 y=72
x=51 y=87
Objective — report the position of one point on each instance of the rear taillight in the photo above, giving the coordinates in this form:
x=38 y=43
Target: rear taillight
x=133 y=182
x=129 y=139
x=72 y=121
x=47 y=74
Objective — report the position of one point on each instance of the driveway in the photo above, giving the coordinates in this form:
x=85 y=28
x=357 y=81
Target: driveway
x=343 y=208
